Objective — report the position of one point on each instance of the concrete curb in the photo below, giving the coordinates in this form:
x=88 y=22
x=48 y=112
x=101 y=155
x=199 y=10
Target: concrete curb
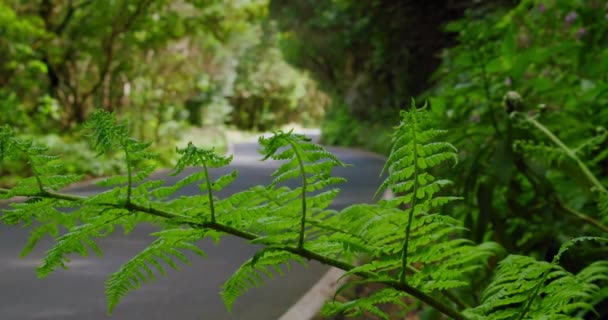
x=312 y=301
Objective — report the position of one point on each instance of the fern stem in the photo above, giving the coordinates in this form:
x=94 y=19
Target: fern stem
x=129 y=172
x=36 y=175
x=584 y=217
x=534 y=294
x=304 y=187
x=209 y=193
x=449 y=295
x=569 y=152
x=436 y=304
x=34 y=171
x=412 y=205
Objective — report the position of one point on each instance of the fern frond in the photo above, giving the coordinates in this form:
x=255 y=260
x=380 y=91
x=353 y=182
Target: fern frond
x=419 y=244
x=107 y=134
x=252 y=208
x=593 y=143
x=563 y=294
x=207 y=158
x=524 y=288
x=308 y=161
x=139 y=269
x=77 y=240
x=359 y=307
x=110 y=135
x=47 y=169
x=413 y=154
x=46 y=216
x=251 y=273
x=166 y=191
x=9 y=145
x=194 y=157
x=548 y=155
x=602 y=205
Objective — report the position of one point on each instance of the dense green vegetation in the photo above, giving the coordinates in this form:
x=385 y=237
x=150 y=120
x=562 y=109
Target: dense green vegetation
x=520 y=86
x=161 y=64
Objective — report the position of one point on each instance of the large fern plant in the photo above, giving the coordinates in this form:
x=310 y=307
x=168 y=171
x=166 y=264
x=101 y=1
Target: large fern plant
x=406 y=245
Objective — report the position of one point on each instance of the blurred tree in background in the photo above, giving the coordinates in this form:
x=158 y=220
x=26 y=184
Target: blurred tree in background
x=161 y=64
x=371 y=56
x=144 y=58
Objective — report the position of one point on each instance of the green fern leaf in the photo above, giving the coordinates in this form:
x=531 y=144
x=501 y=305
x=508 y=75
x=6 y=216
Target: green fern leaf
x=139 y=269
x=76 y=240
x=106 y=133
x=250 y=274
x=526 y=288
x=313 y=165
x=359 y=307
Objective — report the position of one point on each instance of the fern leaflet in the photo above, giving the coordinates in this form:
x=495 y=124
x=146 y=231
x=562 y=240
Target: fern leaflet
x=139 y=269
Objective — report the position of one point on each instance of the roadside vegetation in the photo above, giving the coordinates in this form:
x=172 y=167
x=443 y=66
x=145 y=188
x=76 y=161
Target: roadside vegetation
x=167 y=66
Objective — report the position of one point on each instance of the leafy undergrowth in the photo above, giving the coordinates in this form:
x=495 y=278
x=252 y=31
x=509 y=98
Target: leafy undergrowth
x=78 y=158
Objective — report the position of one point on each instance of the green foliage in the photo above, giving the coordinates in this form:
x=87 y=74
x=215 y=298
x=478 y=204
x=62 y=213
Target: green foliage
x=312 y=163
x=413 y=245
x=368 y=305
x=151 y=61
x=524 y=97
x=250 y=274
x=341 y=127
x=366 y=57
x=268 y=92
x=138 y=270
x=155 y=62
x=76 y=240
x=520 y=281
x=413 y=154
x=411 y=249
x=46 y=169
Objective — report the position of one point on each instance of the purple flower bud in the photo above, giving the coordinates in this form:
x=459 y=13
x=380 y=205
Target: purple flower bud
x=542 y=8
x=570 y=17
x=580 y=33
x=508 y=81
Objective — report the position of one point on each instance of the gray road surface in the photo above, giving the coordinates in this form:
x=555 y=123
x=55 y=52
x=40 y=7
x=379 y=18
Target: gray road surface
x=192 y=293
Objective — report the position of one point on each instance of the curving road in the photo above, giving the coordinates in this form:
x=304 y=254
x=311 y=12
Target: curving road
x=192 y=293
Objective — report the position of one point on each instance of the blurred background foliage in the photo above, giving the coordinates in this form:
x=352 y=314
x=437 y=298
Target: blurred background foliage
x=521 y=190
x=370 y=56
x=173 y=68
x=195 y=68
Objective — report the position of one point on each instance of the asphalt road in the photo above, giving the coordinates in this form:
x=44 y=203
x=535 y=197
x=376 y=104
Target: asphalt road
x=193 y=292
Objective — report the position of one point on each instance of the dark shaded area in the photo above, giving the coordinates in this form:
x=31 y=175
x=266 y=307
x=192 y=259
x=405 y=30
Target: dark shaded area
x=372 y=55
